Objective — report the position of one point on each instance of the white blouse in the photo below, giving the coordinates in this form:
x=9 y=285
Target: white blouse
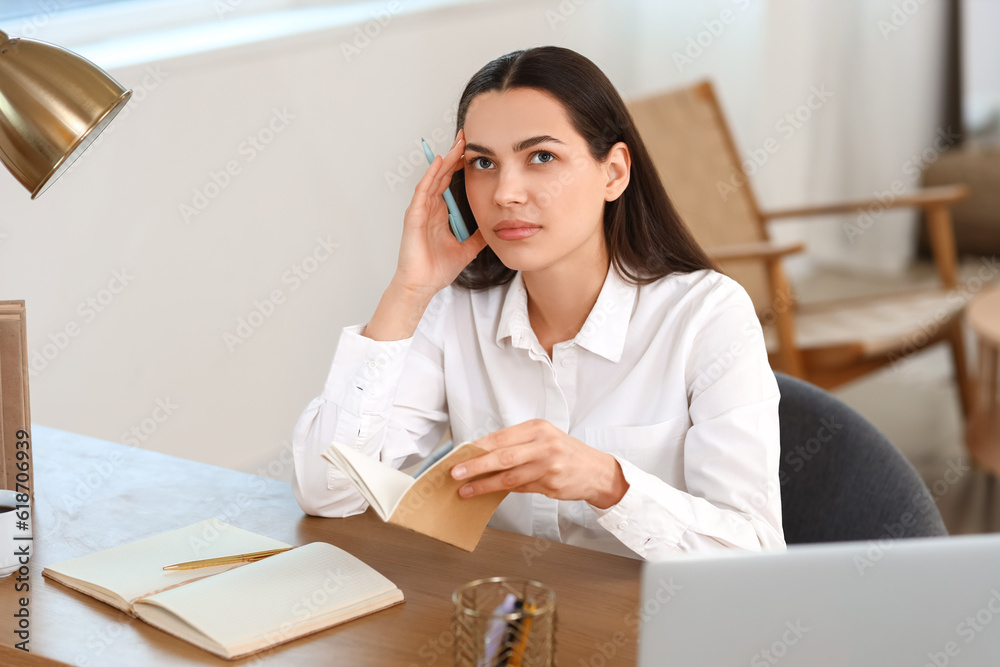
x=671 y=378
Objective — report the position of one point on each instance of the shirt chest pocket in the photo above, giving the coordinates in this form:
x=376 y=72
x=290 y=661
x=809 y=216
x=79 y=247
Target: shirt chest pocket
x=656 y=448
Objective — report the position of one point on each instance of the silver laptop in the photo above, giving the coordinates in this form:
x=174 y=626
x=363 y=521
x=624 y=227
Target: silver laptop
x=926 y=602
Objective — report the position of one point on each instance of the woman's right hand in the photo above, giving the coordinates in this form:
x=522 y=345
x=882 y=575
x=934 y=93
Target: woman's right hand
x=430 y=257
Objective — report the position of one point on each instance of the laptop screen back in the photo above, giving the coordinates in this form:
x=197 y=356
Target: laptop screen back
x=921 y=602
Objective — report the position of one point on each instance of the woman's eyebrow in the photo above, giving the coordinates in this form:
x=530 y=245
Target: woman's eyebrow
x=522 y=145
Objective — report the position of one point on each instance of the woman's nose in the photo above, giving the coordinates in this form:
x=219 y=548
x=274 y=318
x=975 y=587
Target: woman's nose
x=511 y=188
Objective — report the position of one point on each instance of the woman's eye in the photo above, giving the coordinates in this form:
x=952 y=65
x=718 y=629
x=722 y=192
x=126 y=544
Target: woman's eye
x=480 y=163
x=548 y=157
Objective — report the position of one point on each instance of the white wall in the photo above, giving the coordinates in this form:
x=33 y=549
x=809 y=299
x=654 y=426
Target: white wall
x=160 y=340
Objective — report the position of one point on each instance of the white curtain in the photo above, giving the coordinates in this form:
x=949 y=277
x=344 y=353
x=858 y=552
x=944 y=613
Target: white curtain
x=883 y=63
x=872 y=71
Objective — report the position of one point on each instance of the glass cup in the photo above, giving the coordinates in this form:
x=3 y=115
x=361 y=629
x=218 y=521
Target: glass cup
x=504 y=621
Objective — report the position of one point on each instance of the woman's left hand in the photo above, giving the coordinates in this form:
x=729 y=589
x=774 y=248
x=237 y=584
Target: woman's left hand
x=536 y=457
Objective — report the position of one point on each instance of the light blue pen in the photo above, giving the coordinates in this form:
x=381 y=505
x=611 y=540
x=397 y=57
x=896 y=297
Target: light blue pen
x=458 y=227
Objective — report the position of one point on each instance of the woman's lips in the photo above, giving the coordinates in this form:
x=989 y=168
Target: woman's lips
x=516 y=233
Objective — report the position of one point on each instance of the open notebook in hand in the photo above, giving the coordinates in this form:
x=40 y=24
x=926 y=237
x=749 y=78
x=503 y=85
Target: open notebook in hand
x=428 y=503
x=230 y=610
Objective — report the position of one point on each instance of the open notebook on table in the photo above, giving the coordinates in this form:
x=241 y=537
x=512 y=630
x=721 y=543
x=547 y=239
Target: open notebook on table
x=230 y=610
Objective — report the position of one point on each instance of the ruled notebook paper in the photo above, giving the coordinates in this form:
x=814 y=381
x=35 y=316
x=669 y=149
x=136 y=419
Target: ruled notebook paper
x=122 y=574
x=271 y=601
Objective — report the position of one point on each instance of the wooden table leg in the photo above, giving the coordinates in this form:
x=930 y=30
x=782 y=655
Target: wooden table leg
x=983 y=437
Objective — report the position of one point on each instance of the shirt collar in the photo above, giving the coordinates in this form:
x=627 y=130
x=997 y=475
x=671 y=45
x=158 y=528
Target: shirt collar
x=604 y=331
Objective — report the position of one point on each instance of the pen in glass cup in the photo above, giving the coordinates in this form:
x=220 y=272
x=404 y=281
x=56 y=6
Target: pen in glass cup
x=226 y=560
x=455 y=219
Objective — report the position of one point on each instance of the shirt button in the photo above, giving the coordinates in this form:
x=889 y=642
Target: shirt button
x=623 y=525
x=567 y=363
x=372 y=365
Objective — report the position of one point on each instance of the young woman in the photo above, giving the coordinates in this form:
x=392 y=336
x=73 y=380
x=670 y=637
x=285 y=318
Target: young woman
x=618 y=383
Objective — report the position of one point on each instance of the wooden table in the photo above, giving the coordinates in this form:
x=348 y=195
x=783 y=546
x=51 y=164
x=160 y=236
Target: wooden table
x=983 y=432
x=92 y=495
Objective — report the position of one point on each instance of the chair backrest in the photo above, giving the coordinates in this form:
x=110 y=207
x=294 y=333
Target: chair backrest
x=841 y=479
x=699 y=165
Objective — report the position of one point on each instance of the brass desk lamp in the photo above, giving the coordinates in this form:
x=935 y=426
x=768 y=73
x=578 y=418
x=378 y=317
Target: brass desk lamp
x=53 y=104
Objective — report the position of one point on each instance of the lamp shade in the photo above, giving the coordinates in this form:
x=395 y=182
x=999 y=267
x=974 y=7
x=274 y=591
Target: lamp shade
x=53 y=105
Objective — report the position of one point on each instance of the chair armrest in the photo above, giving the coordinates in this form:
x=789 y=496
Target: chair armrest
x=781 y=301
x=759 y=250
x=926 y=198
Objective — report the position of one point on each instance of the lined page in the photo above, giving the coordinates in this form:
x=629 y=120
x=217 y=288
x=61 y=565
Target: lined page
x=272 y=600
x=133 y=570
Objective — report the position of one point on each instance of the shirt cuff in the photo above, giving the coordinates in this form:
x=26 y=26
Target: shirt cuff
x=652 y=515
x=365 y=372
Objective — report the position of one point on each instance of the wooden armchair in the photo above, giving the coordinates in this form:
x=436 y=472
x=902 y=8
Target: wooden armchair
x=829 y=343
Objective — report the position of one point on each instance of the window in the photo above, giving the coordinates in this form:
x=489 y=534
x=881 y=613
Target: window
x=118 y=33
x=13 y=9
x=78 y=23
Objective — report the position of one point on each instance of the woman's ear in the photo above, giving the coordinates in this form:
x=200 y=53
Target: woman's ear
x=618 y=165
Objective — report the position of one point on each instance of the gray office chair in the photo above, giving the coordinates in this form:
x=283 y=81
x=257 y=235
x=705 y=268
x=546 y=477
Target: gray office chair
x=841 y=479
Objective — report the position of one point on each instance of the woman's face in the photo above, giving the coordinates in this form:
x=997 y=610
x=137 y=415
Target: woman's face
x=537 y=193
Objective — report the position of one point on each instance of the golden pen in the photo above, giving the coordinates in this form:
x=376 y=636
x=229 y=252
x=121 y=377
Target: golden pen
x=226 y=560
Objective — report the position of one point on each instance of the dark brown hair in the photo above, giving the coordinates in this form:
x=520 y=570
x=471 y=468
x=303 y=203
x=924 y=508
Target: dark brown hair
x=645 y=237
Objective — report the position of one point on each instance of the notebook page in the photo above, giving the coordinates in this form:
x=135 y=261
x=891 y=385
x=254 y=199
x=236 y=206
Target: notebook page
x=334 y=456
x=386 y=485
x=274 y=599
x=136 y=569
